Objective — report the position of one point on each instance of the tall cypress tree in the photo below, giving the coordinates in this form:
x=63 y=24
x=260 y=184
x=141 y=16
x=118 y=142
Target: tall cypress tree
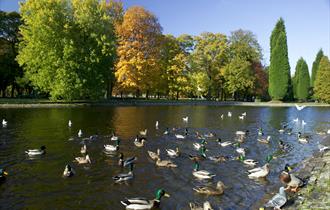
x=302 y=80
x=322 y=80
x=316 y=66
x=295 y=78
x=279 y=71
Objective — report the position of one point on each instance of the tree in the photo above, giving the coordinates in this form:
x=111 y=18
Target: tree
x=238 y=76
x=301 y=81
x=9 y=68
x=138 y=51
x=68 y=47
x=315 y=66
x=261 y=81
x=210 y=55
x=322 y=80
x=279 y=70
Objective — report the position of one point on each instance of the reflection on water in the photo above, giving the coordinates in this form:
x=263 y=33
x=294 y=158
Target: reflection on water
x=37 y=183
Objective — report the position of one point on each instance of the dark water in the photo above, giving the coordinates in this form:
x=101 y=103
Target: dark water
x=38 y=183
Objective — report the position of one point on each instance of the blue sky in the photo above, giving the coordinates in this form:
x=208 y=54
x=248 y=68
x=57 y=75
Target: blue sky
x=307 y=21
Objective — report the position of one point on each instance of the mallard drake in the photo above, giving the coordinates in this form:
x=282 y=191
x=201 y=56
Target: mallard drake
x=3 y=174
x=278 y=200
x=283 y=146
x=69 y=123
x=165 y=163
x=83 y=160
x=240 y=150
x=154 y=155
x=68 y=171
x=126 y=162
x=142 y=203
x=34 y=152
x=201 y=174
x=265 y=141
x=80 y=133
x=143 y=133
x=112 y=148
x=124 y=177
x=198 y=146
x=4 y=122
x=218 y=190
x=83 y=149
x=185 y=119
x=173 y=153
x=201 y=156
x=140 y=143
x=302 y=139
x=249 y=162
x=259 y=172
x=224 y=144
x=206 y=206
x=219 y=158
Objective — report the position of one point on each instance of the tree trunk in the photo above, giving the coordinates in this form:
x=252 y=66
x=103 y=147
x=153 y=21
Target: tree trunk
x=147 y=94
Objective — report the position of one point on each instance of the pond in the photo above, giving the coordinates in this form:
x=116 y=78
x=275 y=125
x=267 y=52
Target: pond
x=38 y=183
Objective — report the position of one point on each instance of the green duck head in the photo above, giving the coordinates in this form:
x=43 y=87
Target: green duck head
x=287 y=168
x=241 y=157
x=196 y=166
x=3 y=172
x=269 y=158
x=160 y=193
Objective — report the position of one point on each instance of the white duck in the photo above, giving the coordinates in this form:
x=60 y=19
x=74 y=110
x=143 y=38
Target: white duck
x=114 y=137
x=278 y=200
x=201 y=174
x=259 y=172
x=185 y=119
x=229 y=114
x=35 y=152
x=173 y=153
x=83 y=160
x=80 y=133
x=68 y=171
x=140 y=143
x=180 y=136
x=241 y=117
x=157 y=124
x=69 y=123
x=83 y=149
x=154 y=155
x=4 y=122
x=144 y=133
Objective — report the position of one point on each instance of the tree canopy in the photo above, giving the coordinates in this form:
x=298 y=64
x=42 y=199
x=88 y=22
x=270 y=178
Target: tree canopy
x=322 y=81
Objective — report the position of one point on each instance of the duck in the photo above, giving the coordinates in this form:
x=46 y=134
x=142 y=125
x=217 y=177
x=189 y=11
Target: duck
x=156 y=125
x=68 y=171
x=180 y=136
x=260 y=132
x=292 y=182
x=229 y=114
x=4 y=123
x=201 y=174
x=218 y=159
x=249 y=162
x=144 y=133
x=201 y=156
x=209 y=135
x=284 y=146
x=173 y=153
x=221 y=116
x=35 y=152
x=207 y=190
x=303 y=122
x=140 y=142
x=114 y=137
x=198 y=146
x=80 y=133
x=154 y=155
x=3 y=174
x=124 y=177
x=224 y=144
x=265 y=140
x=240 y=150
x=242 y=133
x=83 y=149
x=165 y=163
x=142 y=203
x=259 y=172
x=328 y=131
x=241 y=117
x=185 y=119
x=299 y=108
x=296 y=120
x=278 y=200
x=323 y=148
x=206 y=206
x=302 y=139
x=126 y=162
x=70 y=123
x=244 y=114
x=166 y=132
x=83 y=160
x=112 y=148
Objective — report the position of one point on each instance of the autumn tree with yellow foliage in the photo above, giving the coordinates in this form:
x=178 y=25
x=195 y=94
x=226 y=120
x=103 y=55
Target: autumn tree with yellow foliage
x=139 y=42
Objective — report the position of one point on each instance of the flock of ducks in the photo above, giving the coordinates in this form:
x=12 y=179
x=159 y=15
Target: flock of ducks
x=292 y=182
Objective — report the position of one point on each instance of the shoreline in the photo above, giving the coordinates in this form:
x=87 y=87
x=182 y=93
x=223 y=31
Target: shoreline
x=31 y=103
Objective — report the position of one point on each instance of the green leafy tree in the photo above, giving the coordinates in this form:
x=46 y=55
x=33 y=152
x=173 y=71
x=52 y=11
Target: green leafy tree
x=68 y=47
x=279 y=70
x=301 y=81
x=315 y=66
x=322 y=81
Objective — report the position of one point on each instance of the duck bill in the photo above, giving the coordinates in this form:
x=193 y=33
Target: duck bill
x=5 y=173
x=289 y=168
x=167 y=195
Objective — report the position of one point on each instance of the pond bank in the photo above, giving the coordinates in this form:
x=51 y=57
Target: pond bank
x=32 y=103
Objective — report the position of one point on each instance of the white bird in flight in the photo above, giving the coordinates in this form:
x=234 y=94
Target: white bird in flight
x=299 y=108
x=185 y=119
x=4 y=122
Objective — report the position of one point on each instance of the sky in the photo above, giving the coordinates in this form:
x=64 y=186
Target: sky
x=307 y=21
